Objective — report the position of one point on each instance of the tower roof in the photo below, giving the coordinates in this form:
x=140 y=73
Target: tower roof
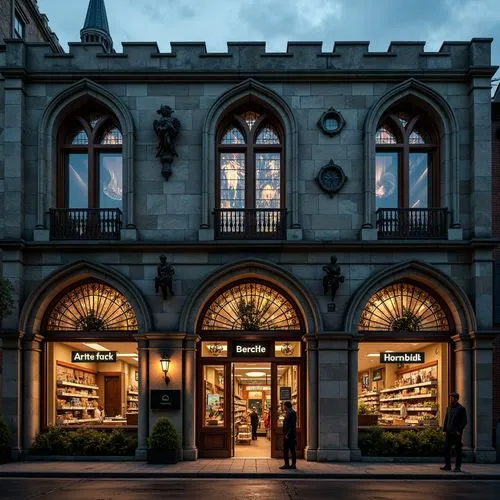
x=96 y=17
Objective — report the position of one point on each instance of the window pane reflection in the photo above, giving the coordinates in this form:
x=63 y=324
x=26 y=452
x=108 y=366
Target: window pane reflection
x=386 y=180
x=288 y=390
x=232 y=180
x=419 y=180
x=78 y=169
x=213 y=385
x=267 y=180
x=111 y=180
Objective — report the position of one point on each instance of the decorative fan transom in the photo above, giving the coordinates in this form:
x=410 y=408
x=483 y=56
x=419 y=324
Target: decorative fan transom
x=92 y=307
x=403 y=307
x=251 y=307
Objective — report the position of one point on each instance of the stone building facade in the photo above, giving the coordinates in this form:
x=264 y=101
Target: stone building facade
x=328 y=120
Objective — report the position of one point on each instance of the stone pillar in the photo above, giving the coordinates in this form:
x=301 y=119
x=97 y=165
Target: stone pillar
x=353 y=400
x=190 y=452
x=483 y=394
x=333 y=409
x=32 y=390
x=311 y=451
x=11 y=388
x=463 y=385
x=143 y=419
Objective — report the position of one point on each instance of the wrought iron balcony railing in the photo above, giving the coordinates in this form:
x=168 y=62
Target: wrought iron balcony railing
x=412 y=223
x=250 y=223
x=85 y=223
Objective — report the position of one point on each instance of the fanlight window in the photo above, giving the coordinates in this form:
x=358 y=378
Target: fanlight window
x=251 y=307
x=403 y=307
x=92 y=307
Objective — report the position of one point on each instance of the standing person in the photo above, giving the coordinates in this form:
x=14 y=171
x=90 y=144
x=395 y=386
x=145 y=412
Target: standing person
x=289 y=436
x=254 y=421
x=454 y=425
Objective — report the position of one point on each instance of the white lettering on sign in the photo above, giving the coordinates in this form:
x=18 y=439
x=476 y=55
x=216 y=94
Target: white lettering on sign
x=255 y=349
x=402 y=357
x=93 y=356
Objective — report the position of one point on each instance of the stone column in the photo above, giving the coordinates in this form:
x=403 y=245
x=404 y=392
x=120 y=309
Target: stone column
x=483 y=392
x=11 y=388
x=143 y=419
x=311 y=451
x=353 y=400
x=32 y=389
x=190 y=452
x=463 y=384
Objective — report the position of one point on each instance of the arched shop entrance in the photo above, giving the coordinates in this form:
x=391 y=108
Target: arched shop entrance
x=250 y=360
x=91 y=359
x=406 y=358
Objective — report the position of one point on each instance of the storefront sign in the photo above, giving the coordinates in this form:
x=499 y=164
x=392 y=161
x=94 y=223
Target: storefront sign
x=166 y=400
x=93 y=356
x=285 y=393
x=402 y=357
x=251 y=349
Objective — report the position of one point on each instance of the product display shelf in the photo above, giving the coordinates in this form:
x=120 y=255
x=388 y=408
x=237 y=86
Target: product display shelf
x=411 y=386
x=79 y=421
x=77 y=395
x=371 y=399
x=132 y=401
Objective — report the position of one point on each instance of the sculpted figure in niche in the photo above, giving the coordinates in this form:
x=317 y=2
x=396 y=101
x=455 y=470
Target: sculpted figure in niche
x=166 y=129
x=163 y=280
x=333 y=278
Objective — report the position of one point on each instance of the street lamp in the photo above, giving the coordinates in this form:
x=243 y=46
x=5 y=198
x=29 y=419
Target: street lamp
x=165 y=365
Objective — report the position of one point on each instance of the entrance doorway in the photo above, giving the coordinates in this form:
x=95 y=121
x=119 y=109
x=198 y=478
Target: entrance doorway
x=252 y=406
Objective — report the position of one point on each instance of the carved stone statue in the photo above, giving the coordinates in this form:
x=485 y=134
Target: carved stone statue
x=164 y=276
x=166 y=129
x=333 y=278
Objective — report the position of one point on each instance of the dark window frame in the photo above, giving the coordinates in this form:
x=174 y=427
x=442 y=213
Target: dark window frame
x=93 y=149
x=19 y=22
x=403 y=148
x=250 y=149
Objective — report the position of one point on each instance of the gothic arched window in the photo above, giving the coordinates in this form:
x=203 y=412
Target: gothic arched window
x=406 y=170
x=90 y=172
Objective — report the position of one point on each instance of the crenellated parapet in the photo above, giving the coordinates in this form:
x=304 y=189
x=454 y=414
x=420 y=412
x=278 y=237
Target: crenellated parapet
x=251 y=57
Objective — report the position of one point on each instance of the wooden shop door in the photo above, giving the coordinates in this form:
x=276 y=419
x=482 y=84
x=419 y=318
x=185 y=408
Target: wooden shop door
x=112 y=396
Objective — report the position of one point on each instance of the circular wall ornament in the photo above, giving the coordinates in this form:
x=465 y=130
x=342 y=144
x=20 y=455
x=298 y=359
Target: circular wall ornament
x=331 y=178
x=331 y=122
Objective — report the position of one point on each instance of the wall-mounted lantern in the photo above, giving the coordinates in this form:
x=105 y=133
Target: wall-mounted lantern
x=165 y=365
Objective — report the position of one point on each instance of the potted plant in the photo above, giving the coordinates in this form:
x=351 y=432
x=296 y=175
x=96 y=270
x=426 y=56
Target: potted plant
x=365 y=415
x=4 y=443
x=163 y=443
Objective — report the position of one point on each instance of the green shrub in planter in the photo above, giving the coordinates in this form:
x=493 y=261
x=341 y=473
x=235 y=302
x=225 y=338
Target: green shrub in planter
x=163 y=443
x=120 y=445
x=4 y=442
x=89 y=442
x=52 y=441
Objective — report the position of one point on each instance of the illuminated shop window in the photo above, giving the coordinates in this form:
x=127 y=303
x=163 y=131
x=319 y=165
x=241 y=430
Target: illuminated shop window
x=250 y=307
x=403 y=307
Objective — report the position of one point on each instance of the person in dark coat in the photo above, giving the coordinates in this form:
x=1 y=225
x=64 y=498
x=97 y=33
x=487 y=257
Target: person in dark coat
x=454 y=425
x=254 y=422
x=289 y=436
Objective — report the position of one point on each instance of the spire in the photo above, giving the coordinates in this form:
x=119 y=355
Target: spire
x=96 y=28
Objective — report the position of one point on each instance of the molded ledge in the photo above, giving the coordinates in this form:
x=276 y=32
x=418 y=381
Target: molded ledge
x=206 y=234
x=129 y=234
x=41 y=235
x=369 y=234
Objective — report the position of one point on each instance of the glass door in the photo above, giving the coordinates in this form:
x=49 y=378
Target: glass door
x=286 y=386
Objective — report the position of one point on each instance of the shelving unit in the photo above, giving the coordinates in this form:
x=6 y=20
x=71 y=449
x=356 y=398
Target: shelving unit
x=419 y=396
x=77 y=394
x=132 y=401
x=240 y=407
x=371 y=399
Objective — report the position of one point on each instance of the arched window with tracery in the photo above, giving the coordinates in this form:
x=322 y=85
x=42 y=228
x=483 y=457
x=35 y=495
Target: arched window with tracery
x=90 y=173
x=406 y=172
x=250 y=177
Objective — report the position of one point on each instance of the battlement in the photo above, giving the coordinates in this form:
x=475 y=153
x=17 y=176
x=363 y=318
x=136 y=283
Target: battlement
x=248 y=57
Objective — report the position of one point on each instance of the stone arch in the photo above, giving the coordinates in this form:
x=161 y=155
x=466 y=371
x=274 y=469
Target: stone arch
x=447 y=123
x=250 y=89
x=251 y=268
x=53 y=116
x=449 y=292
x=36 y=304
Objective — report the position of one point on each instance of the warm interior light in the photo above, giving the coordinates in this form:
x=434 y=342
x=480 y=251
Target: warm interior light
x=126 y=355
x=373 y=355
x=97 y=347
x=255 y=374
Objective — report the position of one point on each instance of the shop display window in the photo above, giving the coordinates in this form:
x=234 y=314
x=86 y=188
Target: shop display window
x=213 y=377
x=288 y=390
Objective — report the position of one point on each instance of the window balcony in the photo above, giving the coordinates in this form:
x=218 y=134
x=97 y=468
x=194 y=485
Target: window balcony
x=412 y=223
x=250 y=224
x=85 y=223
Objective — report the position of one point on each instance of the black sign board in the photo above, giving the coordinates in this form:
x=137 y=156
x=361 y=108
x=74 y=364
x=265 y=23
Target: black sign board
x=402 y=357
x=285 y=393
x=166 y=400
x=93 y=356
x=251 y=349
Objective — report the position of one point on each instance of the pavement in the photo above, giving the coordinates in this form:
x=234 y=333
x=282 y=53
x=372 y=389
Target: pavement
x=246 y=469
